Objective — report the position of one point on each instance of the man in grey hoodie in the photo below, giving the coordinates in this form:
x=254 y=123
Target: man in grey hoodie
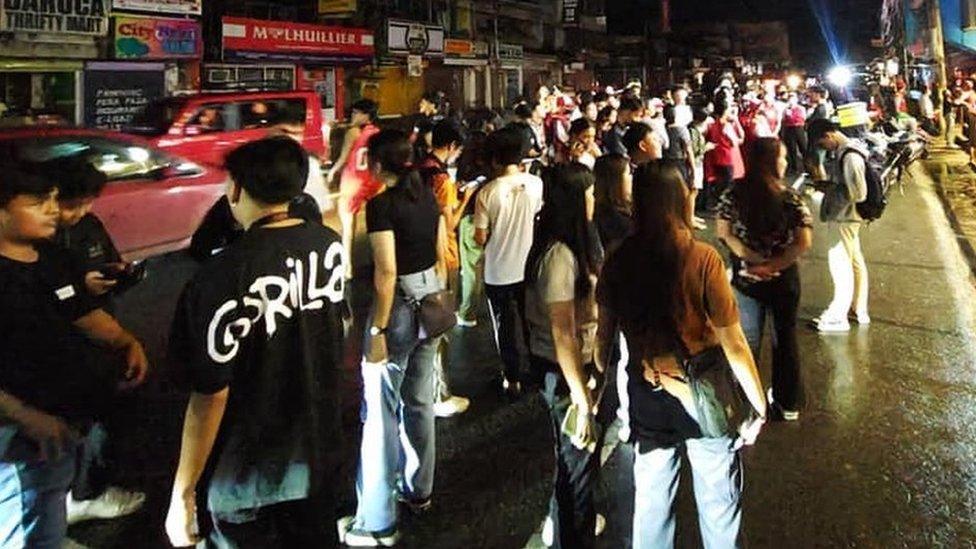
x=848 y=270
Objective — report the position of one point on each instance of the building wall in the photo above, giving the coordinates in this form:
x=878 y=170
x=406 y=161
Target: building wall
x=952 y=25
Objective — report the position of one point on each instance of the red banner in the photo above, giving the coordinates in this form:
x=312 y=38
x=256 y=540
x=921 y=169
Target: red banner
x=295 y=39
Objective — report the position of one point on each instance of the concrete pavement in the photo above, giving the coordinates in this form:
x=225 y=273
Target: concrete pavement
x=882 y=456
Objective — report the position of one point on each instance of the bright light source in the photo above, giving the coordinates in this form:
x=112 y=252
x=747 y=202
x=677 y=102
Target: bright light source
x=793 y=81
x=840 y=76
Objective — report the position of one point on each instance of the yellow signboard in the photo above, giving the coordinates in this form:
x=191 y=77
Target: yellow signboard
x=337 y=7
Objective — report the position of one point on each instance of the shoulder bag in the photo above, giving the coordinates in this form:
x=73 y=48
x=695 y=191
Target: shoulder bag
x=435 y=311
x=720 y=402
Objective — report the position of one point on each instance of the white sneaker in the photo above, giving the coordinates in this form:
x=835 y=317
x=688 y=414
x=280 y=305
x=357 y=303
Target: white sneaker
x=465 y=323
x=114 y=503
x=451 y=407
x=827 y=325
x=547 y=532
x=862 y=318
x=599 y=526
x=353 y=537
x=777 y=410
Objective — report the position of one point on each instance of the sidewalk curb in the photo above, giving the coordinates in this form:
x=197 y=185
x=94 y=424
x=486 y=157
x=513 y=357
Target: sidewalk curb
x=965 y=242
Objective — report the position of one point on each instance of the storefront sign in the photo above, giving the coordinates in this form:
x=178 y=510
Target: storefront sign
x=410 y=38
x=62 y=17
x=116 y=92
x=571 y=13
x=465 y=52
x=337 y=7
x=284 y=41
x=151 y=38
x=510 y=53
x=184 y=7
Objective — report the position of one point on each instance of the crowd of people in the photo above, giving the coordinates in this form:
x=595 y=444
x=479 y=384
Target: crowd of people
x=575 y=221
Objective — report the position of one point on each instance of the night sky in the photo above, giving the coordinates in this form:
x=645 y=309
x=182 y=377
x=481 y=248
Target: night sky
x=854 y=23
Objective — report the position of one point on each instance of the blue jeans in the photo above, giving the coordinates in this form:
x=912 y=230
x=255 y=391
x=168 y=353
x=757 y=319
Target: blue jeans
x=32 y=494
x=717 y=476
x=397 y=413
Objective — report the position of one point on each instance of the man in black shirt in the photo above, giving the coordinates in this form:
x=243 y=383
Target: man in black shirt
x=258 y=332
x=82 y=235
x=56 y=365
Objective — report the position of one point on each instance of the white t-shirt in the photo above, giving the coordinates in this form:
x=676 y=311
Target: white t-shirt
x=507 y=207
x=315 y=184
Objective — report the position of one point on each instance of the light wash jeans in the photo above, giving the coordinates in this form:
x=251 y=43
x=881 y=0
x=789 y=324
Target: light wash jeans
x=33 y=511
x=397 y=413
x=717 y=475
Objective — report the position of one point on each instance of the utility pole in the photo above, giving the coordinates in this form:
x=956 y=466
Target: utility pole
x=938 y=51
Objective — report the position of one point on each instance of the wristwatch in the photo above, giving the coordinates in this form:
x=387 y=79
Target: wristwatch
x=376 y=331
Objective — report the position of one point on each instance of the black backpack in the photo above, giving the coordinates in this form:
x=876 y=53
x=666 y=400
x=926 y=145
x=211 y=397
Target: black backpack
x=873 y=206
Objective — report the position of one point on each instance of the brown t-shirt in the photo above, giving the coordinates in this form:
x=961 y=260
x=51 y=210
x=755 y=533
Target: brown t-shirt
x=708 y=299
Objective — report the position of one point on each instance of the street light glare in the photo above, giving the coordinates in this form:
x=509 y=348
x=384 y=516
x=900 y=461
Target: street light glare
x=840 y=76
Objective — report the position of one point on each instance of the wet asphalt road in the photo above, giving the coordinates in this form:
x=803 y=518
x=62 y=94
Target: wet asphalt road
x=884 y=454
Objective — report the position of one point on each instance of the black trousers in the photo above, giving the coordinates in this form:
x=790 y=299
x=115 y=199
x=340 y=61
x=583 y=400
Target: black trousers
x=303 y=523
x=779 y=298
x=507 y=304
x=571 y=507
x=795 y=140
x=714 y=189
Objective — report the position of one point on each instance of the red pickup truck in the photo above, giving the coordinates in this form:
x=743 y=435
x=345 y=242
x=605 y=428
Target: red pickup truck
x=205 y=127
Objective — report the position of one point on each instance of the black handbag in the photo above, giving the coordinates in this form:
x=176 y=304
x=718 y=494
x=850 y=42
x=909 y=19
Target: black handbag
x=436 y=313
x=721 y=404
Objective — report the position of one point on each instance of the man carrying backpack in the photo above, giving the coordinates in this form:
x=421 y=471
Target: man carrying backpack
x=853 y=192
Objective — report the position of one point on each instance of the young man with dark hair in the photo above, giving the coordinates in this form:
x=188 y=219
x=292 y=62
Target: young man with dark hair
x=448 y=142
x=630 y=110
x=356 y=185
x=848 y=269
x=80 y=231
x=258 y=332
x=82 y=235
x=60 y=359
x=428 y=115
x=504 y=219
x=642 y=144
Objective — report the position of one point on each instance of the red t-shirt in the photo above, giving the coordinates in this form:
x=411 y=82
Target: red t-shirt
x=795 y=116
x=357 y=180
x=726 y=152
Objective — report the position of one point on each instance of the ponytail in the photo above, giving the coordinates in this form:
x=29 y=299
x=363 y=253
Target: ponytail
x=391 y=149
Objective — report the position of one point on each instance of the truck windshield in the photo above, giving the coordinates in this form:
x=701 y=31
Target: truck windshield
x=156 y=118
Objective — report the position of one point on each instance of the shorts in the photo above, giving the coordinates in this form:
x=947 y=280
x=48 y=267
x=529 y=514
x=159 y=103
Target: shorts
x=355 y=193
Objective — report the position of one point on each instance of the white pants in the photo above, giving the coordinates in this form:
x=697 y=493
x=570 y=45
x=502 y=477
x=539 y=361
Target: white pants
x=848 y=270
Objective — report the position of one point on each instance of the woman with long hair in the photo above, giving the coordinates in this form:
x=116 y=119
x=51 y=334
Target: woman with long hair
x=669 y=295
x=613 y=194
x=407 y=236
x=560 y=312
x=768 y=227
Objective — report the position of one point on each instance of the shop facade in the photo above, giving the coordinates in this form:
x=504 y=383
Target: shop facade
x=507 y=80
x=42 y=62
x=281 y=55
x=462 y=74
x=410 y=50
